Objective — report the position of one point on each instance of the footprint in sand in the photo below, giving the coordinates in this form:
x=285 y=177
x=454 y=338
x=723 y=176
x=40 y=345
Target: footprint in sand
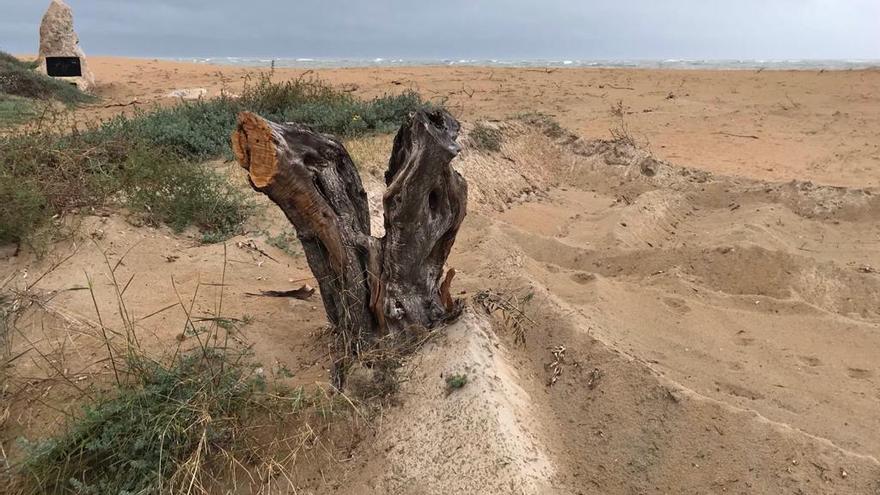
x=583 y=278
x=677 y=305
x=811 y=361
x=859 y=373
x=736 y=366
x=738 y=391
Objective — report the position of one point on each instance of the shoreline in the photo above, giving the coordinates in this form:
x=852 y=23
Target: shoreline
x=260 y=62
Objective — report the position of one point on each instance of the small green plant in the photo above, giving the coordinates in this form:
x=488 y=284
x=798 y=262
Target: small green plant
x=455 y=381
x=509 y=309
x=283 y=371
x=486 y=138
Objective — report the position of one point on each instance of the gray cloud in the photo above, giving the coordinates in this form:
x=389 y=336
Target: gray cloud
x=587 y=29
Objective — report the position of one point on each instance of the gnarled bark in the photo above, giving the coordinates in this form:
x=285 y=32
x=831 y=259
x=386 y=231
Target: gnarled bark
x=425 y=203
x=370 y=287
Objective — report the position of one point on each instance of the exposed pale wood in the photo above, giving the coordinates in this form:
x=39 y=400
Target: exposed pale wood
x=370 y=287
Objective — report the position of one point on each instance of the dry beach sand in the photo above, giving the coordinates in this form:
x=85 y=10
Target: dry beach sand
x=820 y=126
x=716 y=289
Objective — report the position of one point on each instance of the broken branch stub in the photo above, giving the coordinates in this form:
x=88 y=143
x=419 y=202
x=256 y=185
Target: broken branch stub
x=369 y=286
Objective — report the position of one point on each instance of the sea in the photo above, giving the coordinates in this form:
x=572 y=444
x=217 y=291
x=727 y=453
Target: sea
x=324 y=63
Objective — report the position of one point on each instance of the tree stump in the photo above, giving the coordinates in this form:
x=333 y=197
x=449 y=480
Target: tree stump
x=371 y=287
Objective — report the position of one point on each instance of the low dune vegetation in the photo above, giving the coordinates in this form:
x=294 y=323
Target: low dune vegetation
x=19 y=79
x=153 y=163
x=200 y=415
x=25 y=93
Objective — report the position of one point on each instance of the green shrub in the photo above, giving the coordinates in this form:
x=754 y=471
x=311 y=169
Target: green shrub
x=152 y=158
x=346 y=116
x=6 y=58
x=197 y=130
x=22 y=209
x=200 y=130
x=177 y=428
x=71 y=171
x=178 y=193
x=141 y=437
x=82 y=169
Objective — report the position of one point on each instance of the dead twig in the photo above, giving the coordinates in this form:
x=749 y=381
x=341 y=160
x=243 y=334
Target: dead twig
x=603 y=86
x=745 y=136
x=251 y=246
x=555 y=367
x=303 y=293
x=510 y=308
x=113 y=105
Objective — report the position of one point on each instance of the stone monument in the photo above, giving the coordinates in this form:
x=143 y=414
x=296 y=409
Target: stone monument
x=58 y=39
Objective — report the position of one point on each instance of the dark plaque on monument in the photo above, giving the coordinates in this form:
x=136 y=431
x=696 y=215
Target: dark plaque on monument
x=63 y=67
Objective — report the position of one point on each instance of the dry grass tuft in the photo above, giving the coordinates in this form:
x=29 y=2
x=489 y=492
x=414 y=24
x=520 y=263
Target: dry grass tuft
x=370 y=153
x=620 y=134
x=486 y=137
x=549 y=125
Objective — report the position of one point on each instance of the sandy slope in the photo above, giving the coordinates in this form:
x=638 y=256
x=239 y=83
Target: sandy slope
x=721 y=332
x=717 y=339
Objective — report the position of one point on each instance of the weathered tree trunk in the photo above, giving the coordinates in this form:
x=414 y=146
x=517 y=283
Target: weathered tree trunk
x=425 y=202
x=370 y=287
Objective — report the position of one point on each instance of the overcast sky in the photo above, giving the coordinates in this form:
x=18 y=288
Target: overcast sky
x=548 y=29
